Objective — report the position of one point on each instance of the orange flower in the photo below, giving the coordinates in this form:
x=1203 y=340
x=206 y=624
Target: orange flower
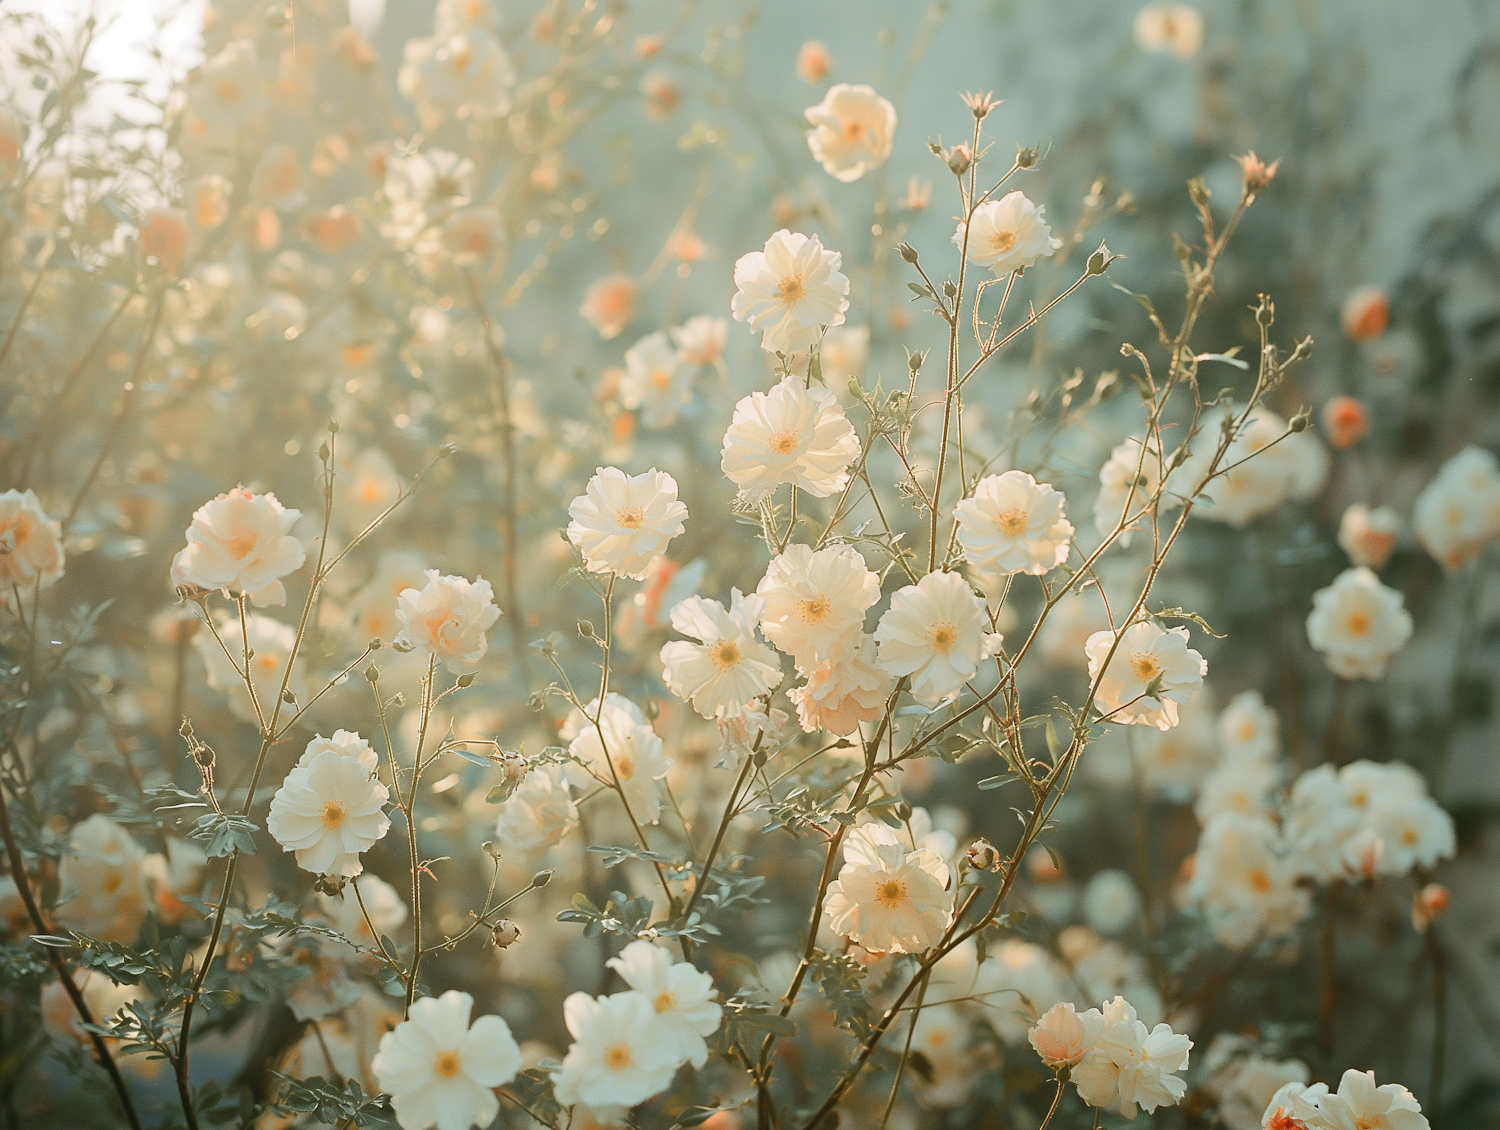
x=609 y=304
x=165 y=237
x=1345 y=421
x=814 y=63
x=333 y=230
x=1367 y=311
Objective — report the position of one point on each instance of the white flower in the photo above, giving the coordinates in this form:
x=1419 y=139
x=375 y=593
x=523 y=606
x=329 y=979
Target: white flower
x=622 y=522
x=241 y=542
x=1248 y=728
x=373 y=487
x=1366 y=818
x=1173 y=763
x=1111 y=904
x=539 y=813
x=1239 y=785
x=1108 y=967
x=270 y=643
x=1062 y=1037
x=420 y=184
x=371 y=614
x=792 y=434
x=790 y=292
x=701 y=339
x=1177 y=28
x=346 y=743
x=815 y=601
x=843 y=354
x=935 y=632
x=1128 y=483
x=1319 y=821
x=1262 y=467
x=681 y=996
x=843 y=692
x=1413 y=830
x=386 y=909
x=888 y=898
x=1294 y=1107
x=447 y=618
x=1368 y=535
x=1247 y=1082
x=728 y=668
x=1129 y=1066
x=617 y=1058
x=1458 y=513
x=658 y=380
x=1358 y=624
x=104 y=888
x=1009 y=234
x=609 y=304
x=329 y=811
x=852 y=131
x=31 y=547
x=623 y=748
x=943 y=1034
x=1245 y=882
x=1019 y=981
x=441 y=1072
x=1361 y=1105
x=1145 y=655
x=465 y=75
x=1013 y=524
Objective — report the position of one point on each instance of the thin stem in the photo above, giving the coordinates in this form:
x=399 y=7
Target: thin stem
x=411 y=839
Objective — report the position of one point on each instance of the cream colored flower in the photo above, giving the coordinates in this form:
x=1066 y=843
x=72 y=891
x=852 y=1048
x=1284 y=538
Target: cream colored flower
x=1248 y=728
x=441 y=1071
x=1130 y=1066
x=1358 y=624
x=367 y=487
x=623 y=748
x=622 y=522
x=1062 y=1037
x=171 y=875
x=1262 y=468
x=1368 y=535
x=1361 y=1105
x=465 y=75
x=1005 y=235
x=790 y=292
x=31 y=548
x=936 y=632
x=1169 y=27
x=815 y=601
x=1147 y=657
x=728 y=668
x=1245 y=881
x=609 y=304
x=887 y=897
x=1458 y=513
x=104 y=889
x=328 y=811
x=241 y=542
x=616 y=1059
x=792 y=434
x=681 y=996
x=1013 y=524
x=270 y=645
x=852 y=131
x=539 y=813
x=1128 y=484
x=658 y=380
x=701 y=339
x=447 y=618
x=839 y=694
x=814 y=63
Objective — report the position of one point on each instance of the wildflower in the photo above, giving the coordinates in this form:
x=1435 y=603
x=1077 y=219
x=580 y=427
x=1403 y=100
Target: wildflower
x=1173 y=763
x=1013 y=524
x=241 y=542
x=1169 y=27
x=441 y=1071
x=1018 y=980
x=1360 y=1103
x=331 y=230
x=1428 y=905
x=346 y=743
x=888 y=898
x=1262 y=467
x=609 y=304
x=658 y=379
x=1150 y=675
x=791 y=434
x=328 y=811
x=1062 y=1037
x=104 y=887
x=843 y=354
x=539 y=813
x=622 y=748
x=701 y=339
x=367 y=487
x=1005 y=235
x=208 y=201
x=1130 y=1066
x=936 y=633
x=277 y=179
x=852 y=131
x=814 y=63
x=728 y=668
x=1368 y=536
x=471 y=235
x=622 y=522
x=682 y=997
x=270 y=644
x=1111 y=903
x=1345 y=421
x=617 y=1058
x=382 y=908
x=447 y=618
x=1128 y=485
x=1244 y=880
x=1366 y=313
x=660 y=95
x=1358 y=624
x=1458 y=512
x=1248 y=728
x=847 y=689
x=1239 y=785
x=31 y=548
x=165 y=237
x=815 y=600
x=791 y=291
x=1257 y=173
x=465 y=75
x=1294 y=1107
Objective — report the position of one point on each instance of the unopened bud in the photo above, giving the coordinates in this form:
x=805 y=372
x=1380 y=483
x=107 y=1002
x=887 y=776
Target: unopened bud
x=541 y=878
x=983 y=855
x=586 y=629
x=908 y=252
x=903 y=811
x=513 y=765
x=1304 y=350
x=1299 y=422
x=1428 y=905
x=1027 y=156
x=505 y=934
x=1265 y=313
x=959 y=158
x=331 y=885
x=1099 y=260
x=1199 y=192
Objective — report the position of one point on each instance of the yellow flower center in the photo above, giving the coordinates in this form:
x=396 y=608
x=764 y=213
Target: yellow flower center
x=1012 y=522
x=853 y=130
x=240 y=545
x=784 y=443
x=891 y=893
x=624 y=767
x=789 y=289
x=333 y=814
x=1145 y=666
x=1368 y=1122
x=1259 y=881
x=665 y=1003
x=227 y=90
x=1002 y=241
x=725 y=654
x=942 y=636
x=1409 y=837
x=1358 y=623
x=631 y=517
x=617 y=1057
x=816 y=610
x=660 y=379
x=447 y=1065
x=112 y=882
